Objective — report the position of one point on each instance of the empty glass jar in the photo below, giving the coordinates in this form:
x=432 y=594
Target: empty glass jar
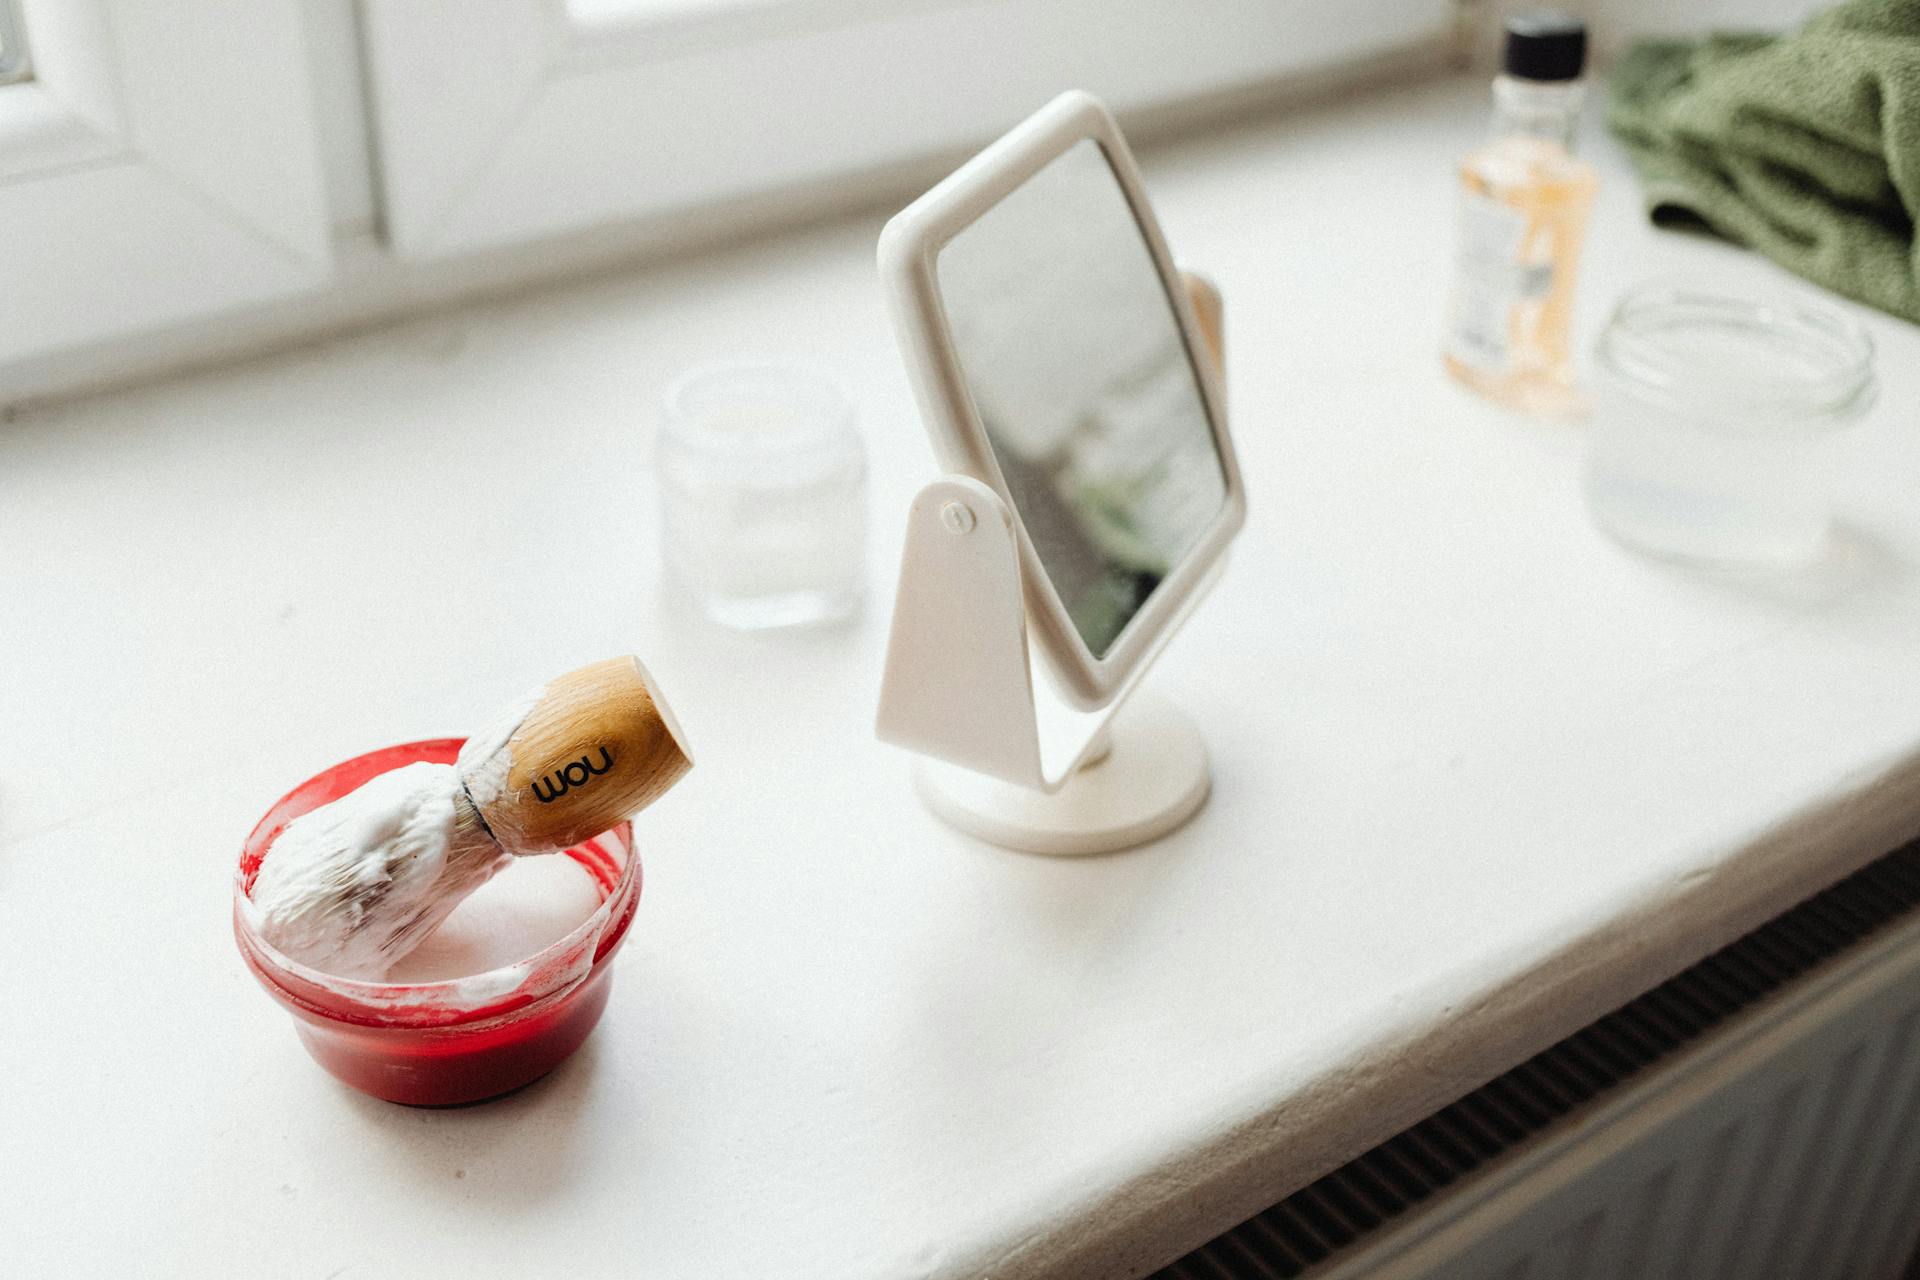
x=763 y=495
x=1711 y=418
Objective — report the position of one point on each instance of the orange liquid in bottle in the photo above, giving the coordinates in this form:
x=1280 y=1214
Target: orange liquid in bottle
x=1525 y=203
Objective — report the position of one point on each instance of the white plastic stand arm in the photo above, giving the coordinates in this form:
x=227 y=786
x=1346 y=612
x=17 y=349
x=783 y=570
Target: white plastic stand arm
x=960 y=682
x=1002 y=756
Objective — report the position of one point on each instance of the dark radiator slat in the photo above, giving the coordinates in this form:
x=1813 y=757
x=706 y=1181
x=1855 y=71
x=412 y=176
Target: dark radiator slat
x=1329 y=1215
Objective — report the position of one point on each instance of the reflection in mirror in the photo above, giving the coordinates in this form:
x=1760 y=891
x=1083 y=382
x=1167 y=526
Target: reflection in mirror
x=1073 y=354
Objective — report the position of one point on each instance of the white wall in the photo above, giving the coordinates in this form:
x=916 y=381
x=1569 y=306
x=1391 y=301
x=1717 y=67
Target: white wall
x=1664 y=17
x=1616 y=23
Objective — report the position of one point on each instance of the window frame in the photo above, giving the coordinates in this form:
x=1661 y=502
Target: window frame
x=135 y=196
x=482 y=107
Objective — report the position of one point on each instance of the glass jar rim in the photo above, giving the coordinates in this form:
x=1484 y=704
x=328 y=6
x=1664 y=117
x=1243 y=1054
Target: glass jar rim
x=825 y=411
x=1834 y=380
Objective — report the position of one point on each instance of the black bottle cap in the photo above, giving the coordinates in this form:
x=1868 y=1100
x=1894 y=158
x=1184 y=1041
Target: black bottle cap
x=1545 y=46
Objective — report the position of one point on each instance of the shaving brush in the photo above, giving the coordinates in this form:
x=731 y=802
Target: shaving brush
x=353 y=886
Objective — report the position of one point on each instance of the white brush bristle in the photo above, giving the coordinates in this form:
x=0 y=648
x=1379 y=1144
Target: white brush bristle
x=353 y=886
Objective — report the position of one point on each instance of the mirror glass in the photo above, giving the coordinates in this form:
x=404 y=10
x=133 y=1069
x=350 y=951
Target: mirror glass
x=1073 y=354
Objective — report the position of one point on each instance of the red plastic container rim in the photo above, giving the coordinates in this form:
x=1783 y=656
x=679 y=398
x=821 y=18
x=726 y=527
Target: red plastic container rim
x=511 y=990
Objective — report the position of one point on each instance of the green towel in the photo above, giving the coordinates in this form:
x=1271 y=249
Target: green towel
x=1805 y=147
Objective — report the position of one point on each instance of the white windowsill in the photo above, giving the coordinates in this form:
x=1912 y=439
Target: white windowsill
x=1479 y=775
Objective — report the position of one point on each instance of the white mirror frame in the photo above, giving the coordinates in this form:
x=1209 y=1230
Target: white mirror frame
x=909 y=251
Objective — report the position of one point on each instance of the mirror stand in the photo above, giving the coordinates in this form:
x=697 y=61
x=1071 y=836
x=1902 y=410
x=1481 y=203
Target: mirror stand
x=1005 y=758
x=1152 y=780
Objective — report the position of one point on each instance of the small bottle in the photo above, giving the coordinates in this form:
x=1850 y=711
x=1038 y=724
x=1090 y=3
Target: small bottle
x=1523 y=211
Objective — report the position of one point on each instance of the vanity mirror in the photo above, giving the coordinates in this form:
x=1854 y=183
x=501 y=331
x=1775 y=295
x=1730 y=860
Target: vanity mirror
x=1069 y=379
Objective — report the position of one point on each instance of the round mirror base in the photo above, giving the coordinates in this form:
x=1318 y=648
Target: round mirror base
x=1152 y=780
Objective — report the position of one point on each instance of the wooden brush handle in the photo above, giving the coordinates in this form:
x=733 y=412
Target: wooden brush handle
x=599 y=746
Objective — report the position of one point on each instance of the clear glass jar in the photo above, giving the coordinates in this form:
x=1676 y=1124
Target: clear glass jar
x=1710 y=423
x=763 y=495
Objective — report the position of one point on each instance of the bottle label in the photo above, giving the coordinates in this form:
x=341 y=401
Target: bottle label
x=1491 y=279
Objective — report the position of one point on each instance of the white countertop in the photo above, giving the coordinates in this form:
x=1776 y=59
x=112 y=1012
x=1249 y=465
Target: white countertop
x=1479 y=775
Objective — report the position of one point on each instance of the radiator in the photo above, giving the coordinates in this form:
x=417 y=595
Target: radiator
x=1757 y=1116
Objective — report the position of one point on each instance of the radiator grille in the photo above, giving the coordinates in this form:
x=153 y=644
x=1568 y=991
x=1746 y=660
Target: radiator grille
x=1315 y=1225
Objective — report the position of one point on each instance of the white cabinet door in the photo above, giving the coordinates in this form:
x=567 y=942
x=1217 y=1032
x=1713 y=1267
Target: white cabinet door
x=504 y=120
